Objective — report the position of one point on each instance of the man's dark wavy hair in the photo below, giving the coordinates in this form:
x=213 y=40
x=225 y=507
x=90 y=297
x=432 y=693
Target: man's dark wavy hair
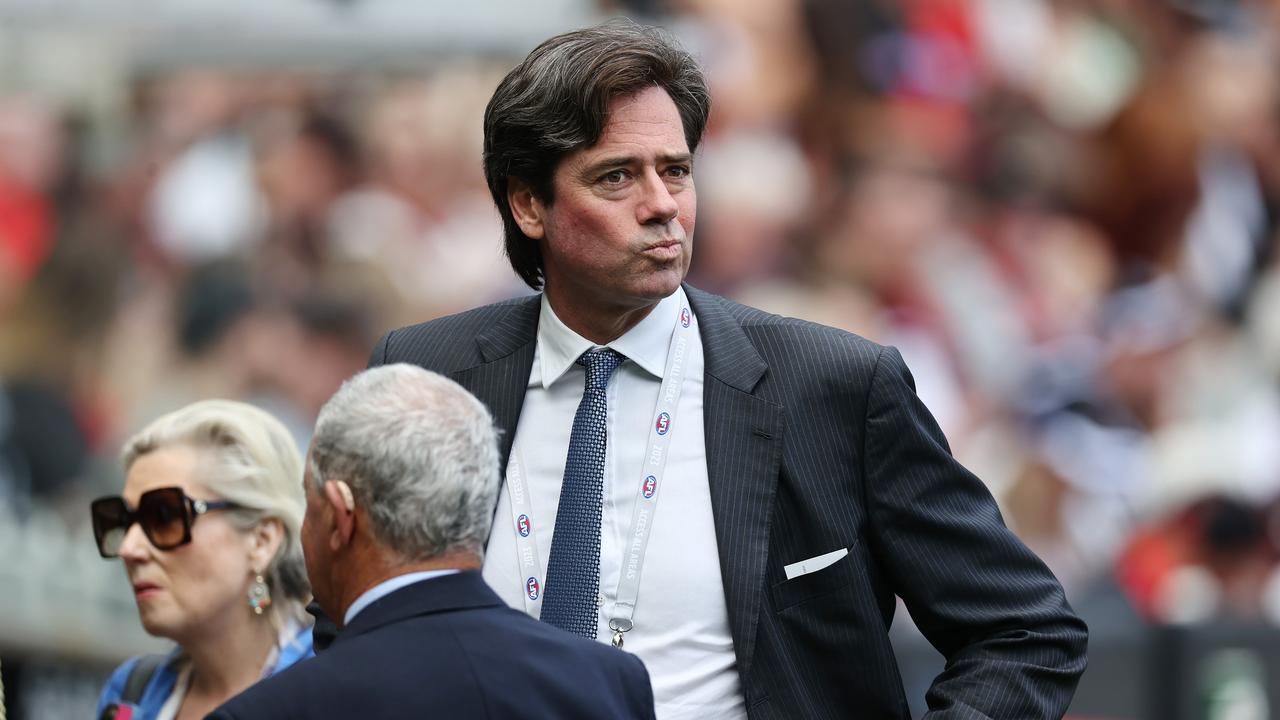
x=556 y=101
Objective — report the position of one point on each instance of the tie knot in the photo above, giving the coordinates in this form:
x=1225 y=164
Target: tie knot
x=600 y=365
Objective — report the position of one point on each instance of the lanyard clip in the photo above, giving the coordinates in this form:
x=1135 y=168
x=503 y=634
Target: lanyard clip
x=619 y=626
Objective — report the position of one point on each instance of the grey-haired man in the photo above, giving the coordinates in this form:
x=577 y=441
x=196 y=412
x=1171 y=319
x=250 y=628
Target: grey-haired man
x=401 y=480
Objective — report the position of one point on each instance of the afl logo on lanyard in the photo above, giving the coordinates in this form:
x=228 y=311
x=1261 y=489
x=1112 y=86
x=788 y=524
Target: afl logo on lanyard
x=684 y=317
x=650 y=487
x=531 y=587
x=663 y=424
x=522 y=525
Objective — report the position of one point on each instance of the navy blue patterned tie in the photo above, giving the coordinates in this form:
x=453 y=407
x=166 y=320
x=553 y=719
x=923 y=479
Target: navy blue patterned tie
x=573 y=570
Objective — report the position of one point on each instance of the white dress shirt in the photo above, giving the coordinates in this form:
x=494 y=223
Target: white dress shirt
x=681 y=622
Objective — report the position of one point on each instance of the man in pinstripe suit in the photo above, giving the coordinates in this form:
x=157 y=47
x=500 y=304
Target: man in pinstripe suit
x=804 y=485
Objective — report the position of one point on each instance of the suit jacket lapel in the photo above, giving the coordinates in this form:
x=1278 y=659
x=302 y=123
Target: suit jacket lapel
x=744 y=452
x=500 y=380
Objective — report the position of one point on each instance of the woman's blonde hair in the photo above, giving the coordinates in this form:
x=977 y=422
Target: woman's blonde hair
x=256 y=465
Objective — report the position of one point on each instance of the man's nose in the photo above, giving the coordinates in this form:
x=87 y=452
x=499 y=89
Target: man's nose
x=658 y=205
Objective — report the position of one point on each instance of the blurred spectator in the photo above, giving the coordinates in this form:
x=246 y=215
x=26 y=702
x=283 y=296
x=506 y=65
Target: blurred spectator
x=31 y=147
x=424 y=219
x=204 y=204
x=304 y=165
x=1209 y=560
x=324 y=339
x=52 y=411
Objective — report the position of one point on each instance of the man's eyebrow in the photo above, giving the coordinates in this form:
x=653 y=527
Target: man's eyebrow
x=625 y=160
x=680 y=157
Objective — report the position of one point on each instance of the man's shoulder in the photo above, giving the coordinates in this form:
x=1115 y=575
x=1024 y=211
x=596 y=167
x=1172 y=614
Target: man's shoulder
x=481 y=646
x=507 y=647
x=469 y=321
x=783 y=338
x=317 y=686
x=444 y=343
x=283 y=695
x=502 y=637
x=476 y=655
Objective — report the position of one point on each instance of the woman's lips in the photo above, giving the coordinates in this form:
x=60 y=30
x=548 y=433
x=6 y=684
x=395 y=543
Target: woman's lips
x=142 y=591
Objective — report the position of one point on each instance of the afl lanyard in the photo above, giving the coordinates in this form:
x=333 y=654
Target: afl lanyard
x=650 y=477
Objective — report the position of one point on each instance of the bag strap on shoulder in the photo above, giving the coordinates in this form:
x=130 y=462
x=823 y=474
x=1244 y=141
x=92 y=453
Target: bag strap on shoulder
x=140 y=676
x=135 y=685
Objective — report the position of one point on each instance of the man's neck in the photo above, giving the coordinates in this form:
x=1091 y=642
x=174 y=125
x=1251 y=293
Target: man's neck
x=601 y=324
x=371 y=571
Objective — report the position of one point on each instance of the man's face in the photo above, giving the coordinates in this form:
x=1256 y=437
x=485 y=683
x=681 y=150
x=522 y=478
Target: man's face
x=315 y=534
x=619 y=233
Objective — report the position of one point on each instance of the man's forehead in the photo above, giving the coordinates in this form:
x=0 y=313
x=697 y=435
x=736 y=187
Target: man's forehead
x=625 y=100
x=644 y=123
x=652 y=105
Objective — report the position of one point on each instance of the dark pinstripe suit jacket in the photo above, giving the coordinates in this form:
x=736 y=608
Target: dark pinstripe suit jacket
x=816 y=441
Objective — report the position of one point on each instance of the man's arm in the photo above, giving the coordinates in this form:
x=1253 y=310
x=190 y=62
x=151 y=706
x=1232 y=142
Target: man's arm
x=1014 y=648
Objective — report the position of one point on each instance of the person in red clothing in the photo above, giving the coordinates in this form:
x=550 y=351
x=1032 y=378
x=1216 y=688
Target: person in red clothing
x=30 y=154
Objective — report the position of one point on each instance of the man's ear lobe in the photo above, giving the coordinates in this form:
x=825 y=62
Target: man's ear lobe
x=529 y=212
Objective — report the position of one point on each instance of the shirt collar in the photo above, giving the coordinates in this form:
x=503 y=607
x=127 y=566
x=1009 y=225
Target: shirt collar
x=646 y=344
x=386 y=587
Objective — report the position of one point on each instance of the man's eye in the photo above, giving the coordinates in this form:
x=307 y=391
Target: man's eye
x=613 y=177
x=678 y=171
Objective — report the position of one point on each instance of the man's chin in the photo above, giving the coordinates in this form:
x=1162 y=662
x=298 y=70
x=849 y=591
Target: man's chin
x=669 y=285
x=664 y=280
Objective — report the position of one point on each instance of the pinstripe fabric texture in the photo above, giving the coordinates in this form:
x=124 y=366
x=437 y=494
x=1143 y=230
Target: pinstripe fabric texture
x=817 y=441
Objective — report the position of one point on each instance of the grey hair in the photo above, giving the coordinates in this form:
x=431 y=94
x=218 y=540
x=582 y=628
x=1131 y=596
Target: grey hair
x=420 y=454
x=556 y=101
x=254 y=462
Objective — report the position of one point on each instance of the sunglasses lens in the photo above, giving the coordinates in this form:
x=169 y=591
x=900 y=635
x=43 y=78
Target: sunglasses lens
x=110 y=523
x=163 y=515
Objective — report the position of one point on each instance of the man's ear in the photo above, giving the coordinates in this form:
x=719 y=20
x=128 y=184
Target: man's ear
x=342 y=506
x=529 y=212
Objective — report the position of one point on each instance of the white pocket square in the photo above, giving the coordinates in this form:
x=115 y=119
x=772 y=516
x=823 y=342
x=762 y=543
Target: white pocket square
x=814 y=564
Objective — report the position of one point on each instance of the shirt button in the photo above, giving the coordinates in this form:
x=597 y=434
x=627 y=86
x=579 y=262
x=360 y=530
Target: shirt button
x=600 y=600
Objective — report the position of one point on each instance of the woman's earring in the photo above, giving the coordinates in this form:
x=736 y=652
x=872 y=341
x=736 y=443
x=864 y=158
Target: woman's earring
x=259 y=595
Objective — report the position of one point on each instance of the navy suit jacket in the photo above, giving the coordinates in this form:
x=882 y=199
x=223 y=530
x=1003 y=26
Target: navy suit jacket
x=450 y=648
x=816 y=441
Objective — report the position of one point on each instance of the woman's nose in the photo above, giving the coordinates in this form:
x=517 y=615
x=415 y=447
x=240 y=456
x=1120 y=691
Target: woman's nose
x=135 y=545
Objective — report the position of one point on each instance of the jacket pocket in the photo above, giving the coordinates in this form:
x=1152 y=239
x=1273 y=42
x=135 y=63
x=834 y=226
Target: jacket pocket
x=815 y=584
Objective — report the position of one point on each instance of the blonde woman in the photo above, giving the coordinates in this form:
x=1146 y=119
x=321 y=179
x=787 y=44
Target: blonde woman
x=208 y=530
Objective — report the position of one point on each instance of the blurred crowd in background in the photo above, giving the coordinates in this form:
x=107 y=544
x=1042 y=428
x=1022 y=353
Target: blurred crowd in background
x=1063 y=212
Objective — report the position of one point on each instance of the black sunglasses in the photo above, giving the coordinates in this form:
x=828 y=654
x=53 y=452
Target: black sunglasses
x=165 y=514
